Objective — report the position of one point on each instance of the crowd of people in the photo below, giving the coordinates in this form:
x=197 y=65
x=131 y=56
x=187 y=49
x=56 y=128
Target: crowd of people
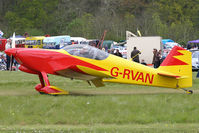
x=157 y=56
x=7 y=62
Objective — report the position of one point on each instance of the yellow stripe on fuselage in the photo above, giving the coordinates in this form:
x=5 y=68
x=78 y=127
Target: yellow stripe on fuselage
x=125 y=71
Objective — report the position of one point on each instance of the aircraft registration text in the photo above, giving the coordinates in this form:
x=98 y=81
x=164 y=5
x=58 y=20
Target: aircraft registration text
x=132 y=75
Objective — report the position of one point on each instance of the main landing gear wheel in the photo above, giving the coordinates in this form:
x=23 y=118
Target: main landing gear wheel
x=51 y=90
x=46 y=88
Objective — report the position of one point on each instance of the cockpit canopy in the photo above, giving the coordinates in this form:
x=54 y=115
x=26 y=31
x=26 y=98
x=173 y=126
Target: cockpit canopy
x=86 y=51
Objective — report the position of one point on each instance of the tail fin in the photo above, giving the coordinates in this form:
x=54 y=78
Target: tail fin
x=178 y=62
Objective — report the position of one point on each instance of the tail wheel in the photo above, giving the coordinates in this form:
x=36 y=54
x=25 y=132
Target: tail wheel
x=189 y=92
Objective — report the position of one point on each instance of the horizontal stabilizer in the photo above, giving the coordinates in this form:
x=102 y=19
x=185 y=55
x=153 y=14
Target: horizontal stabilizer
x=169 y=75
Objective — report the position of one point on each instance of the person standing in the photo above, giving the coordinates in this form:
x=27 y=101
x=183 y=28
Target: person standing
x=26 y=34
x=7 y=46
x=143 y=62
x=112 y=51
x=117 y=53
x=135 y=55
x=156 y=58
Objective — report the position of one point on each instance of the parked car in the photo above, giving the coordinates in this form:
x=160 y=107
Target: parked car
x=122 y=50
x=195 y=64
x=170 y=45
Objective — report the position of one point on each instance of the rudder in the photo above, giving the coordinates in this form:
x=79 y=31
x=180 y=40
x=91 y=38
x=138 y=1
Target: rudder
x=178 y=62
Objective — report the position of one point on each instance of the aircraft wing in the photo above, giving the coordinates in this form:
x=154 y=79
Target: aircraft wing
x=84 y=73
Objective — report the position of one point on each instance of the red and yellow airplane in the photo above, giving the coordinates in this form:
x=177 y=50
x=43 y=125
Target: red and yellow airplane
x=91 y=64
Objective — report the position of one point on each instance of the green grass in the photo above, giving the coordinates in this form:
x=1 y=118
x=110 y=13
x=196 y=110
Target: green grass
x=127 y=128
x=113 y=108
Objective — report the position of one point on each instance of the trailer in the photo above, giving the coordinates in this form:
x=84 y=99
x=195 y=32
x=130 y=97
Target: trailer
x=145 y=45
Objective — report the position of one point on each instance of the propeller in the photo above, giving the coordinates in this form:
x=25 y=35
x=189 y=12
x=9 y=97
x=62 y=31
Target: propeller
x=12 y=46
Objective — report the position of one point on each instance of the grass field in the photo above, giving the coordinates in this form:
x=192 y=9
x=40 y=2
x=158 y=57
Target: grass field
x=113 y=108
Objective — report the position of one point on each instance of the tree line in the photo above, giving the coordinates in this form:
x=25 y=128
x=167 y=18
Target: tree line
x=175 y=19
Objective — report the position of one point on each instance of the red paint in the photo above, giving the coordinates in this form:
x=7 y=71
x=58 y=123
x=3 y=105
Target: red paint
x=126 y=73
x=113 y=72
x=2 y=44
x=174 y=76
x=134 y=76
x=49 y=90
x=171 y=60
x=38 y=87
x=149 y=78
x=45 y=78
x=140 y=77
x=24 y=69
x=41 y=80
x=48 y=61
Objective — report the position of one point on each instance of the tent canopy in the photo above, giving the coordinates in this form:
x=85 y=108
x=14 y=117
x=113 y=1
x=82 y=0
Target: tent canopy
x=164 y=41
x=194 y=41
x=17 y=36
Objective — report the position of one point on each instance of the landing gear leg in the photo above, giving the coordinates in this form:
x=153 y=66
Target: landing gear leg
x=45 y=88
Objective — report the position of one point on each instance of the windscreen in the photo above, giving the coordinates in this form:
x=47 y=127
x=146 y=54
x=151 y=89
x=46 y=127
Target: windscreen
x=86 y=51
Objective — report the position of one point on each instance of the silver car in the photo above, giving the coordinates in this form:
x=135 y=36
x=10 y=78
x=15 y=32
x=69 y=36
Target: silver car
x=195 y=64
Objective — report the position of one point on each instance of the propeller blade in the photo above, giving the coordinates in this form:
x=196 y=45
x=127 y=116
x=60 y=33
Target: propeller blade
x=13 y=41
x=12 y=57
x=11 y=62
